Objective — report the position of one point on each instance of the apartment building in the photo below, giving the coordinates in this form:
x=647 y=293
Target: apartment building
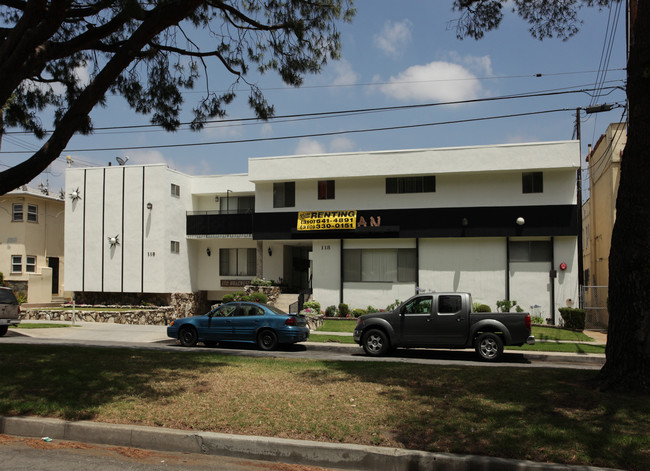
x=362 y=228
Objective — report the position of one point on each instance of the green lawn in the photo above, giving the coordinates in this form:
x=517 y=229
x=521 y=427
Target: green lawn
x=539 y=414
x=41 y=325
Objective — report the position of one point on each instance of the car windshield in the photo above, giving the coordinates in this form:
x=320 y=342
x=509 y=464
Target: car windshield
x=7 y=297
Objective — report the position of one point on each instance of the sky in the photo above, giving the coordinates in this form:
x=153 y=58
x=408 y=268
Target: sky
x=406 y=56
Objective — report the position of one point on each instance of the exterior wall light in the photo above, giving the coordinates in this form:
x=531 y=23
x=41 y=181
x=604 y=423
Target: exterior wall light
x=208 y=251
x=113 y=241
x=270 y=251
x=149 y=206
x=75 y=195
x=521 y=221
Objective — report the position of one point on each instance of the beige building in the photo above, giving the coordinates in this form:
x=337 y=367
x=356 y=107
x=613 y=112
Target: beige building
x=599 y=214
x=31 y=243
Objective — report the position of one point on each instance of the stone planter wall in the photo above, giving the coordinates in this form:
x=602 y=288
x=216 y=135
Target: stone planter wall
x=271 y=291
x=138 y=316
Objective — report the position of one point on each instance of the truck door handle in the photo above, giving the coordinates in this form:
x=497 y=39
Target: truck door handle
x=459 y=319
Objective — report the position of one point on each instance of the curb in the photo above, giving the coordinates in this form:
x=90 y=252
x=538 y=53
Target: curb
x=304 y=452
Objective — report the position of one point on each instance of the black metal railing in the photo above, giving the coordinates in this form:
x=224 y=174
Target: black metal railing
x=219 y=222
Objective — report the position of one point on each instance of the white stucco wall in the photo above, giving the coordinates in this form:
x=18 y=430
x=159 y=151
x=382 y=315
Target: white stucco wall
x=513 y=157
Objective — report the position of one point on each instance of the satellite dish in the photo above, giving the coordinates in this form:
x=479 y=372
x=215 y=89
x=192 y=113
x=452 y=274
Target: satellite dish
x=121 y=160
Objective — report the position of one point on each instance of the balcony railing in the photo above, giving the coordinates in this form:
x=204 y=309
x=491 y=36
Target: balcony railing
x=215 y=223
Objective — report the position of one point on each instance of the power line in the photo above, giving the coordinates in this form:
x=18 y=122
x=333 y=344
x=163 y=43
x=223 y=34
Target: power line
x=323 y=134
x=352 y=112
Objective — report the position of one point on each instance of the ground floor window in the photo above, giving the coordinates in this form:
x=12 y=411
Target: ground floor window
x=30 y=264
x=237 y=262
x=531 y=251
x=16 y=264
x=387 y=265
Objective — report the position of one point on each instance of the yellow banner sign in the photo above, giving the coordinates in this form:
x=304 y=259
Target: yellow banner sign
x=326 y=220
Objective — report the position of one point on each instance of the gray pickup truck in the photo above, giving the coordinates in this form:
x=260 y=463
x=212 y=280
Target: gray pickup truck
x=9 y=310
x=442 y=320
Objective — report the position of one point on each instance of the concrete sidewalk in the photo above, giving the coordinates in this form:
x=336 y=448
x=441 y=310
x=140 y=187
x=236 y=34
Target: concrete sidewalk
x=302 y=452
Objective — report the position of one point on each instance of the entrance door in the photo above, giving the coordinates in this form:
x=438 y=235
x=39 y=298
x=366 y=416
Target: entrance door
x=53 y=263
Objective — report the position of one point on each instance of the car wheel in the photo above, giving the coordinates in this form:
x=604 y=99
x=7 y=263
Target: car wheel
x=267 y=340
x=375 y=342
x=188 y=336
x=3 y=329
x=489 y=346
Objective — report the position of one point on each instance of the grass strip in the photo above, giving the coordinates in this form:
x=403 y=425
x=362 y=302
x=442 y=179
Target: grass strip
x=554 y=415
x=41 y=325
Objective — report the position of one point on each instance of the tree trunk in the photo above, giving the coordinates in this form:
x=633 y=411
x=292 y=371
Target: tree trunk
x=628 y=344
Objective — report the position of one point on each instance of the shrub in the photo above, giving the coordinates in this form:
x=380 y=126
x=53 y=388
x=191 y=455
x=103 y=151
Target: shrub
x=358 y=312
x=505 y=305
x=330 y=311
x=482 y=308
x=259 y=298
x=371 y=309
x=228 y=298
x=21 y=297
x=573 y=318
x=537 y=320
x=344 y=310
x=313 y=305
x=2 y=279
x=392 y=307
x=261 y=282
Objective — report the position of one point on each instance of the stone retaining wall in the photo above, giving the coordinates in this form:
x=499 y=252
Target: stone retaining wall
x=138 y=316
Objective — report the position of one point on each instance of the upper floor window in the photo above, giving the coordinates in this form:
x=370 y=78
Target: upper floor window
x=420 y=184
x=284 y=195
x=17 y=212
x=176 y=190
x=326 y=189
x=175 y=246
x=32 y=213
x=532 y=182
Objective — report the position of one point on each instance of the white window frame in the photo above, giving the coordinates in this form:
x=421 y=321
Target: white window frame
x=32 y=213
x=175 y=247
x=176 y=190
x=30 y=267
x=17 y=209
x=16 y=261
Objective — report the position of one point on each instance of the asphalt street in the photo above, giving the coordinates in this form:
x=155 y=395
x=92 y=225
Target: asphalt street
x=155 y=337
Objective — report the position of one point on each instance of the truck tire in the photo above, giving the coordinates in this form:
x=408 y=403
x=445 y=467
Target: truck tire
x=3 y=330
x=375 y=342
x=489 y=346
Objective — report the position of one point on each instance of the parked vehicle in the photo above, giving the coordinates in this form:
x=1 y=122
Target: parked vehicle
x=442 y=320
x=9 y=310
x=246 y=322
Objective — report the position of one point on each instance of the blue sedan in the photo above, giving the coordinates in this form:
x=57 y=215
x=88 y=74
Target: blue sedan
x=247 y=322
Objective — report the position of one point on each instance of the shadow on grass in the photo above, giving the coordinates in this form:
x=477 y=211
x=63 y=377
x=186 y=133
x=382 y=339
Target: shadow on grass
x=531 y=414
x=72 y=382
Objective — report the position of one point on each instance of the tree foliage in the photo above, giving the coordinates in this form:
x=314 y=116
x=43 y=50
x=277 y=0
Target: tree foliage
x=627 y=364
x=149 y=53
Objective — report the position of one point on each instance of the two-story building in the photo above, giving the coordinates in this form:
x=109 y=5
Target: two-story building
x=31 y=243
x=362 y=228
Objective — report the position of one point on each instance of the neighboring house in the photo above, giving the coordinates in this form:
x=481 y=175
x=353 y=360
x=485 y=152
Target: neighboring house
x=31 y=243
x=599 y=215
x=362 y=228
